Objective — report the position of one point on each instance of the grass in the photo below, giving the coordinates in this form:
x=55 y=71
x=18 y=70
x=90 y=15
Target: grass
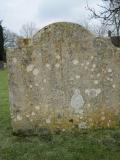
x=84 y=145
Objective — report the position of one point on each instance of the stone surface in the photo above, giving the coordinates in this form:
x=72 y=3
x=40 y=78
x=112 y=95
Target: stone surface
x=65 y=78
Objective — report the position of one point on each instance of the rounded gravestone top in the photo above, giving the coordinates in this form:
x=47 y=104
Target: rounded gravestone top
x=64 y=29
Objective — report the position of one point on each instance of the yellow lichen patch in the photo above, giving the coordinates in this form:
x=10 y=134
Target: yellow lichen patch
x=102 y=117
x=61 y=119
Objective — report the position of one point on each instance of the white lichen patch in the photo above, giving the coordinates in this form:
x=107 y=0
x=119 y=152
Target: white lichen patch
x=63 y=129
x=48 y=66
x=109 y=70
x=111 y=79
x=88 y=105
x=48 y=121
x=87 y=63
x=98 y=75
x=86 y=67
x=77 y=76
x=33 y=114
x=114 y=86
x=83 y=125
x=98 y=91
x=14 y=60
x=30 y=86
x=44 y=80
x=71 y=79
x=94 y=66
x=102 y=113
x=37 y=107
x=96 y=82
x=57 y=65
x=80 y=116
x=36 y=84
x=81 y=112
x=92 y=57
x=40 y=54
x=82 y=64
x=108 y=124
x=108 y=78
x=91 y=75
x=35 y=72
x=103 y=118
x=19 y=118
x=30 y=67
x=27 y=116
x=93 y=92
x=77 y=101
x=86 y=91
x=92 y=69
x=75 y=61
x=57 y=57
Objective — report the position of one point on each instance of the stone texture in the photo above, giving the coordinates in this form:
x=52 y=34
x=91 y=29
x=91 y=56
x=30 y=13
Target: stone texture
x=65 y=78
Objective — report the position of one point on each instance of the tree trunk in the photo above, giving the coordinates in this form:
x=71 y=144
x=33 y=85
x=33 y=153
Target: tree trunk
x=1 y=44
x=118 y=31
x=1 y=65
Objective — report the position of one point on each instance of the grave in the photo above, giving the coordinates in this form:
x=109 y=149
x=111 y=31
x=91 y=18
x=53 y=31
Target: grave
x=64 y=78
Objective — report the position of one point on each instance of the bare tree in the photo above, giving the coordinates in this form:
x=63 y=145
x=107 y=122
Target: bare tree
x=28 y=30
x=97 y=29
x=86 y=24
x=10 y=39
x=110 y=14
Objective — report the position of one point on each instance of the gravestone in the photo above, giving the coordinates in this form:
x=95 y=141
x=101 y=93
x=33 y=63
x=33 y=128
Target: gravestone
x=65 y=78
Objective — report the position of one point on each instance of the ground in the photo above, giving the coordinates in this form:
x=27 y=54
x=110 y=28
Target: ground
x=102 y=144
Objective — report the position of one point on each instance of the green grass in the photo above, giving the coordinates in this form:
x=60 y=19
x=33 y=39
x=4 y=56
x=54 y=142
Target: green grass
x=84 y=145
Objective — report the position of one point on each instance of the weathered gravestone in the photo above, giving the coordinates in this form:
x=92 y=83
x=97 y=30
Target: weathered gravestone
x=65 y=78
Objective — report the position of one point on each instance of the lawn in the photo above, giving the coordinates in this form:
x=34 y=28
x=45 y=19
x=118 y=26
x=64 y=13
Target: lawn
x=84 y=145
